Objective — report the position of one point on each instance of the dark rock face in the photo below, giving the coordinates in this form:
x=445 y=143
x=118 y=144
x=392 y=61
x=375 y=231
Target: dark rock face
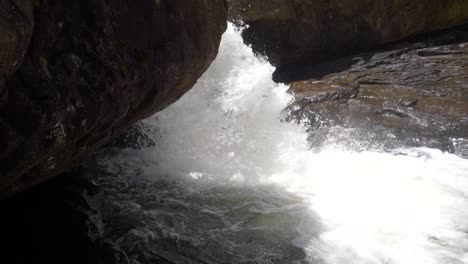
x=136 y=137
x=91 y=70
x=55 y=224
x=292 y=32
x=414 y=94
x=16 y=26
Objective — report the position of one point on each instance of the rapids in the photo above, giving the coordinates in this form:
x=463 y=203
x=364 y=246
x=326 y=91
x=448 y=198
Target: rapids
x=229 y=182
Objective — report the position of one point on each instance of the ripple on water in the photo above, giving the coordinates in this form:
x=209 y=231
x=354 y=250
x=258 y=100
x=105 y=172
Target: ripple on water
x=228 y=182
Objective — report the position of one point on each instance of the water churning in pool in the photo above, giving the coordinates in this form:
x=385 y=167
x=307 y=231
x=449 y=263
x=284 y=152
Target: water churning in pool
x=229 y=182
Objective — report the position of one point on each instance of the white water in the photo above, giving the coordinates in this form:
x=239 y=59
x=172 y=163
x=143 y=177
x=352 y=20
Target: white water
x=408 y=206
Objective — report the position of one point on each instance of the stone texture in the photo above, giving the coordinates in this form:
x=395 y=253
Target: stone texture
x=16 y=26
x=291 y=32
x=56 y=224
x=92 y=69
x=414 y=94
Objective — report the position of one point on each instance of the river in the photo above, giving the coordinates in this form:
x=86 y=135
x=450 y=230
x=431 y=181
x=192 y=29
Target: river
x=228 y=181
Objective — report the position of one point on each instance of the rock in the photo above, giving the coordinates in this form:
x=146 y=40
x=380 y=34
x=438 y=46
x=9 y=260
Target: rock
x=414 y=94
x=291 y=32
x=16 y=26
x=136 y=137
x=92 y=69
x=57 y=222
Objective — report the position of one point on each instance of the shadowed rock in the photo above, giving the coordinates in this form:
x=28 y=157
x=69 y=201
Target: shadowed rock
x=92 y=69
x=16 y=26
x=291 y=32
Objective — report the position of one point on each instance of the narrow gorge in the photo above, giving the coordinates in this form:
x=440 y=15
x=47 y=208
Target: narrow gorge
x=300 y=132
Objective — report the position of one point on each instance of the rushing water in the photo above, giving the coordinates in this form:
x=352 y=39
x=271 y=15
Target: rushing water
x=228 y=182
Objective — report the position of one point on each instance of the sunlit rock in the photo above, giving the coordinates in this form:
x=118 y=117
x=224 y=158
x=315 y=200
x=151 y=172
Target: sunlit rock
x=412 y=94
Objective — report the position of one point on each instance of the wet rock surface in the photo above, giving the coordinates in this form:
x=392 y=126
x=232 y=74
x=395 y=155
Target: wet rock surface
x=413 y=94
x=91 y=70
x=295 y=32
x=16 y=26
x=136 y=137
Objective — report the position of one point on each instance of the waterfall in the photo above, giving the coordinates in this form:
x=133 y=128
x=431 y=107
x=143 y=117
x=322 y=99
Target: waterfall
x=229 y=182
